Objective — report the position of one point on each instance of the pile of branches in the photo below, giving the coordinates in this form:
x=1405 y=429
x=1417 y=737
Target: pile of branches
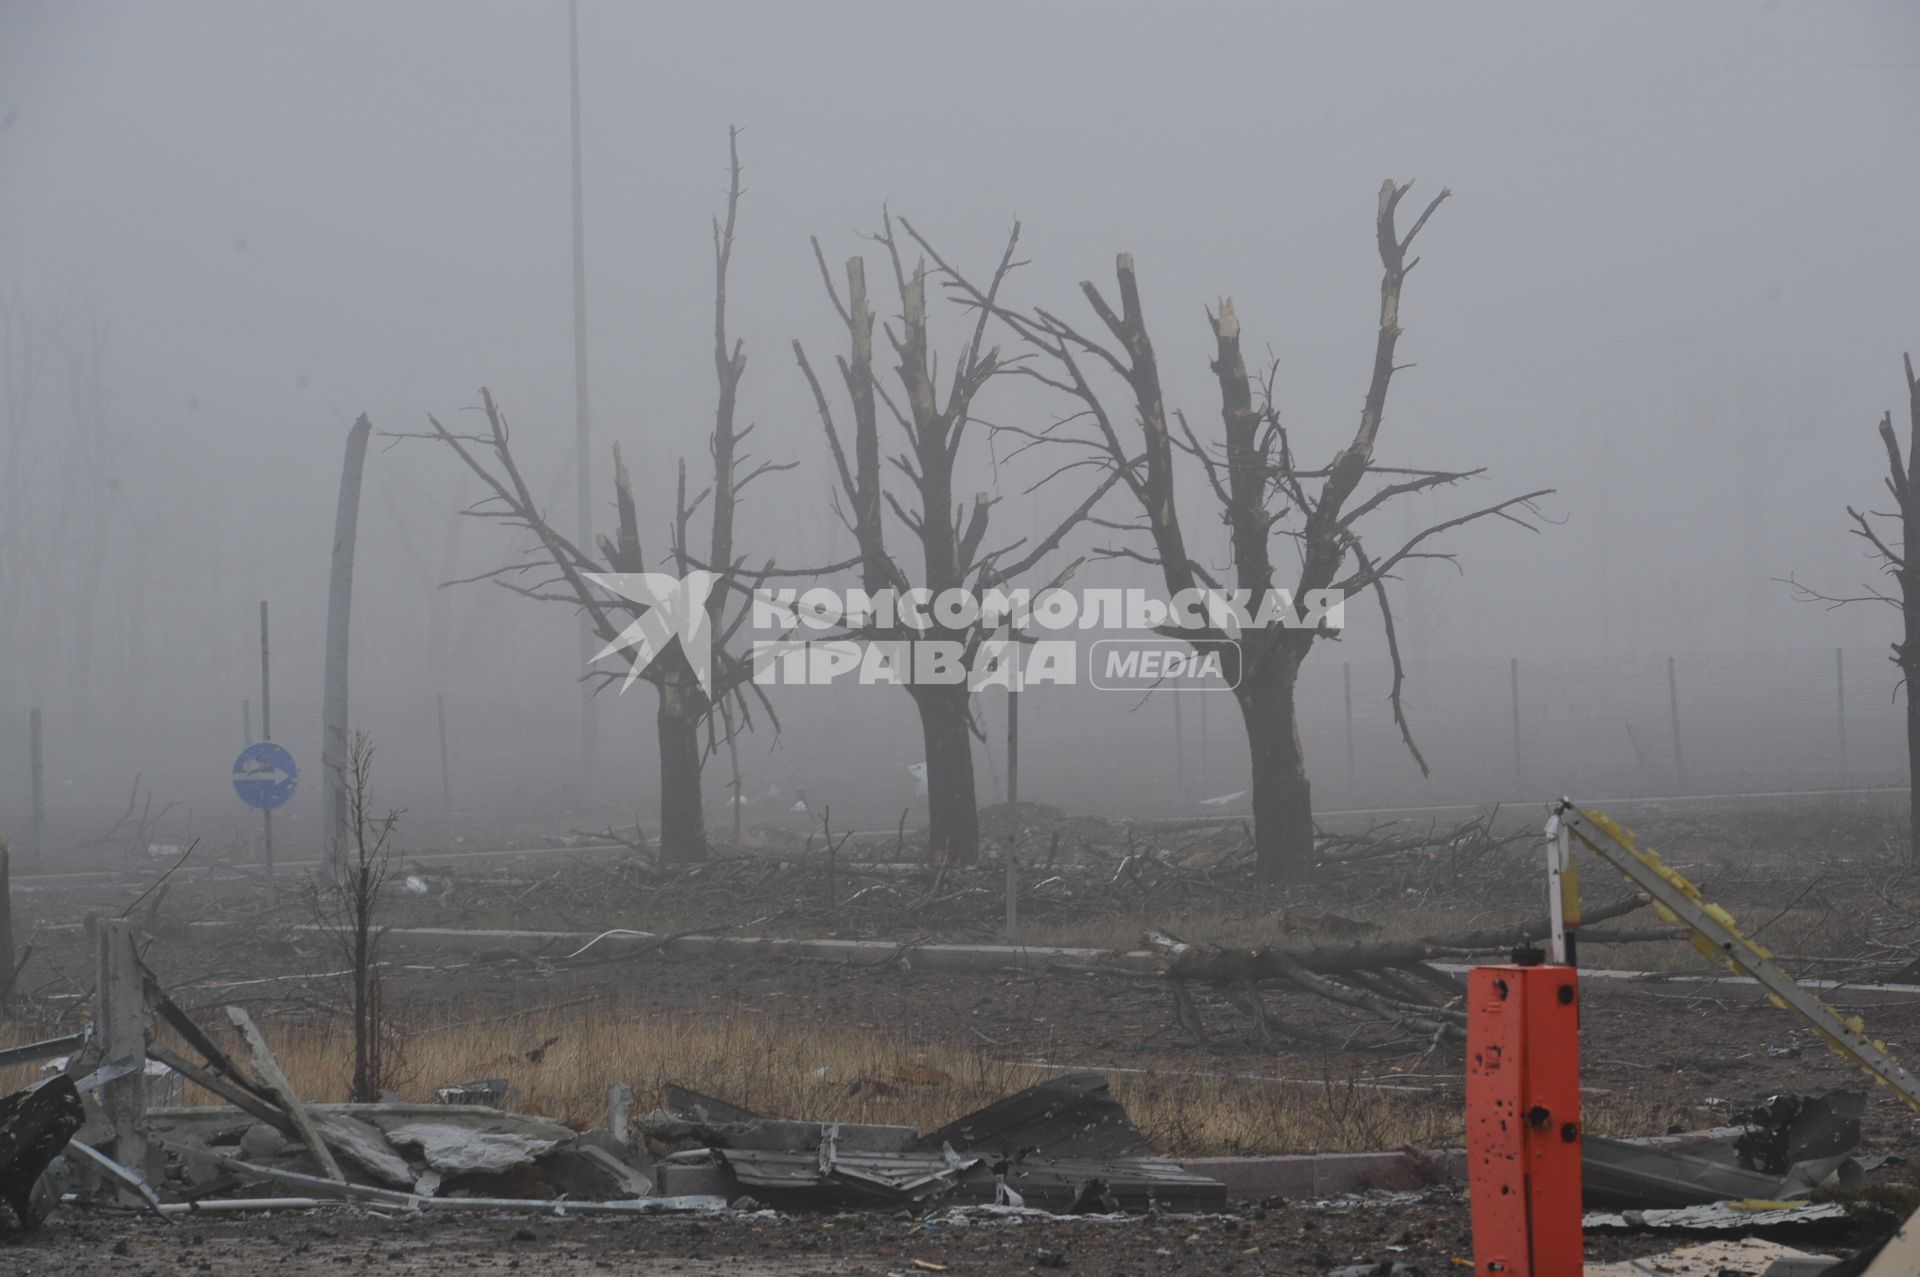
x=1393 y=981
x=1069 y=872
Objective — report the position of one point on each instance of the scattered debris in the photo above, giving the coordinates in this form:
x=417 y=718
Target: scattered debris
x=491 y=1091
x=1717 y=1258
x=1895 y=1255
x=1721 y=1216
x=35 y=1125
x=459 y=1150
x=1618 y=1175
x=1795 y=1128
x=1393 y=980
x=1065 y=1143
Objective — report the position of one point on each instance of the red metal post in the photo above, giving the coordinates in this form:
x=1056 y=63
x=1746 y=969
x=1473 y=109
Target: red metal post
x=1523 y=1120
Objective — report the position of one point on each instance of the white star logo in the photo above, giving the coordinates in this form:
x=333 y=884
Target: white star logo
x=676 y=607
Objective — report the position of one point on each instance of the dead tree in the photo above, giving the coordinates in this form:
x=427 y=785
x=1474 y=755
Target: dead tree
x=356 y=926
x=563 y=568
x=1902 y=525
x=953 y=554
x=1263 y=491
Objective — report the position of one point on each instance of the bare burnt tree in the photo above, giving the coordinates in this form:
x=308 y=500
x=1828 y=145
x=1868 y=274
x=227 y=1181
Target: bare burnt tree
x=356 y=926
x=558 y=570
x=1264 y=492
x=951 y=535
x=1901 y=529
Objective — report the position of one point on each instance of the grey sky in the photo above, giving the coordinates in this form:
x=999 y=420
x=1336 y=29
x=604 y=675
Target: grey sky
x=1674 y=282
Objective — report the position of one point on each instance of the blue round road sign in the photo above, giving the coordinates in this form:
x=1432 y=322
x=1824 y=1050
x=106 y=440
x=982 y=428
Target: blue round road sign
x=264 y=775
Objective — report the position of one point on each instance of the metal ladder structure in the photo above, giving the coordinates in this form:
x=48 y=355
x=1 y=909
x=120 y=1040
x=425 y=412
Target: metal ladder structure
x=1715 y=935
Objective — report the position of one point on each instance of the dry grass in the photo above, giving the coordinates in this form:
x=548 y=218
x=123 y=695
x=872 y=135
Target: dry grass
x=562 y=1062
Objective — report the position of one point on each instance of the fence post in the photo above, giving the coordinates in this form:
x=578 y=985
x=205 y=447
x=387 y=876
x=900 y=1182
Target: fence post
x=1840 y=697
x=39 y=769
x=1346 y=683
x=1179 y=750
x=1013 y=795
x=266 y=733
x=1203 y=747
x=446 y=773
x=1673 y=712
x=1513 y=690
x=6 y=929
x=121 y=1015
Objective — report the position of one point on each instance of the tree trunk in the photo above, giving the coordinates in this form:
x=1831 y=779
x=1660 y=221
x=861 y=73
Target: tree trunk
x=1910 y=669
x=1282 y=798
x=683 y=822
x=953 y=820
x=1913 y=775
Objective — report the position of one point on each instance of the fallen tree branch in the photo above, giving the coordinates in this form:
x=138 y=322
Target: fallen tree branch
x=1216 y=965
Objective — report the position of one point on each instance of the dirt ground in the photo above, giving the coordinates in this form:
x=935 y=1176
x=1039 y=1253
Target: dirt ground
x=1655 y=1056
x=1426 y=1232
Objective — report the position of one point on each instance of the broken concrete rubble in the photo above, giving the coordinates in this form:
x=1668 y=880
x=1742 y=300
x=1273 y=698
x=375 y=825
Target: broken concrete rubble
x=362 y=1144
x=458 y=1150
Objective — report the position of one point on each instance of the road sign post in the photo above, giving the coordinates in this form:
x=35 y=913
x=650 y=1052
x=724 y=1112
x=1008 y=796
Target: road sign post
x=264 y=776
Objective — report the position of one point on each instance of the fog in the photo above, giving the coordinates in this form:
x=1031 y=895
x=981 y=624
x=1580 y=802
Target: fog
x=1674 y=283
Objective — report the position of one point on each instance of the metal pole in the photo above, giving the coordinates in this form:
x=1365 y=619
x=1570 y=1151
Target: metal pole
x=266 y=733
x=1179 y=750
x=733 y=762
x=1840 y=696
x=446 y=773
x=246 y=722
x=1013 y=792
x=1204 y=788
x=1346 y=683
x=1673 y=712
x=38 y=764
x=120 y=1014
x=6 y=928
x=1513 y=689
x=582 y=440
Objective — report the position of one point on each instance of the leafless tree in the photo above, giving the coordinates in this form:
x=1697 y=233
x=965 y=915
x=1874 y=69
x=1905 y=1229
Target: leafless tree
x=1264 y=491
x=347 y=906
x=951 y=535
x=1894 y=538
x=558 y=570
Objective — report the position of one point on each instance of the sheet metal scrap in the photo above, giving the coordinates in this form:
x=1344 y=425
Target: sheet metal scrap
x=1720 y=1217
x=35 y=1126
x=802 y=1176
x=1616 y=1175
x=687 y=1103
x=1066 y=1144
x=1712 y=1259
x=1795 y=1128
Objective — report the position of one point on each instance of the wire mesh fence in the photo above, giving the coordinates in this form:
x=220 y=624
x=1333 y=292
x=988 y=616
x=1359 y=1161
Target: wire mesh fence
x=1490 y=729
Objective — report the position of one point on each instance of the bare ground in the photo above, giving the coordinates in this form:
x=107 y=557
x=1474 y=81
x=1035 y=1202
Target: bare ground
x=1654 y=1057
